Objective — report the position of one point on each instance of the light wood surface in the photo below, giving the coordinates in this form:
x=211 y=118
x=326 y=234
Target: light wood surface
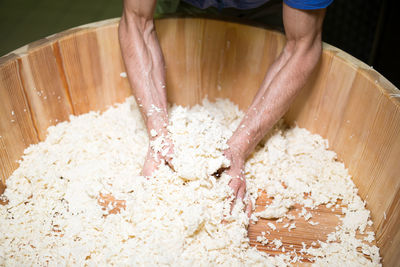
x=292 y=239
x=344 y=101
x=17 y=129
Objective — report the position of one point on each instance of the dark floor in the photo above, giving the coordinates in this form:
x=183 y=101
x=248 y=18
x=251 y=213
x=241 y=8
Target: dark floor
x=364 y=29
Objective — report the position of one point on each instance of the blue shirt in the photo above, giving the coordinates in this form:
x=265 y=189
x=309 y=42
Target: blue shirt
x=249 y=4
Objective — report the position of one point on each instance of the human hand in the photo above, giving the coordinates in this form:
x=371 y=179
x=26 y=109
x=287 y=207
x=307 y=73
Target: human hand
x=238 y=180
x=154 y=159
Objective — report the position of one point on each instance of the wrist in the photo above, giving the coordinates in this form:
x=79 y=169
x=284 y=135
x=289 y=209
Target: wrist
x=235 y=156
x=237 y=147
x=157 y=127
x=155 y=132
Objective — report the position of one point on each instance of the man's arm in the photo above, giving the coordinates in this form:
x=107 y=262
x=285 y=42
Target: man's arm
x=145 y=68
x=284 y=79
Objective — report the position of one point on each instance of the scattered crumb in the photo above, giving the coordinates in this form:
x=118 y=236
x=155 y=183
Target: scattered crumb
x=54 y=213
x=292 y=226
x=272 y=226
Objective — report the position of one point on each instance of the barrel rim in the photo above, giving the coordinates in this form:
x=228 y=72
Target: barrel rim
x=383 y=84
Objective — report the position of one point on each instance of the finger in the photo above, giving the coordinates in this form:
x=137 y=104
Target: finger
x=147 y=172
x=233 y=202
x=233 y=184
x=149 y=167
x=146 y=169
x=241 y=193
x=249 y=208
x=238 y=197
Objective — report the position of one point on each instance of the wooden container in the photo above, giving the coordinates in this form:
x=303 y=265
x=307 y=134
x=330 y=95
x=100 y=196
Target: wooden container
x=345 y=100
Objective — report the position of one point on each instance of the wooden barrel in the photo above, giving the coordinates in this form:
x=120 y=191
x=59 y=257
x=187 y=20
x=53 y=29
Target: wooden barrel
x=345 y=101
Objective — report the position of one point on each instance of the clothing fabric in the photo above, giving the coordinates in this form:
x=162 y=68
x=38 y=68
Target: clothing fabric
x=250 y=4
x=308 y=4
x=267 y=15
x=220 y=4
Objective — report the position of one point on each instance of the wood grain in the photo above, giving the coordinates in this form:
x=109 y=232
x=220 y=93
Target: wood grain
x=92 y=64
x=345 y=101
x=47 y=94
x=293 y=239
x=350 y=104
x=17 y=130
x=215 y=59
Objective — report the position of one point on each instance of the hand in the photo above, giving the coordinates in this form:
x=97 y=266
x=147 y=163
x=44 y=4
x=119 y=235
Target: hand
x=154 y=159
x=238 y=181
x=150 y=163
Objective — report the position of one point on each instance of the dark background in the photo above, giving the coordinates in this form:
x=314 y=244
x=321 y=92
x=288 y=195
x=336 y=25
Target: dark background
x=366 y=29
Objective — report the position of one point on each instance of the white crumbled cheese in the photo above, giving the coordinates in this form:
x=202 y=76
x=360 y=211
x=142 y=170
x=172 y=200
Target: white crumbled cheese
x=290 y=217
x=123 y=74
x=276 y=209
x=292 y=226
x=253 y=218
x=370 y=237
x=303 y=247
x=356 y=219
x=155 y=108
x=153 y=133
x=272 y=226
x=305 y=214
x=3 y=198
x=262 y=239
x=56 y=214
x=277 y=243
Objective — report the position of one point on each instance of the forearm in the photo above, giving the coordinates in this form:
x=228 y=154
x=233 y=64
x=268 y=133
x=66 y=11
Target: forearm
x=291 y=71
x=145 y=68
x=275 y=67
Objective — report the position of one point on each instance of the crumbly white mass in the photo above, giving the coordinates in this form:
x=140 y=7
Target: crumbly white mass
x=55 y=215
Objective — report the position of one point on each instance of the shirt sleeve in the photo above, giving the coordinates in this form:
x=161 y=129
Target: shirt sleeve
x=308 y=4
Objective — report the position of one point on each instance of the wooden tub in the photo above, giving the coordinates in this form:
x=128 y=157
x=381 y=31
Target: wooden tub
x=345 y=100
